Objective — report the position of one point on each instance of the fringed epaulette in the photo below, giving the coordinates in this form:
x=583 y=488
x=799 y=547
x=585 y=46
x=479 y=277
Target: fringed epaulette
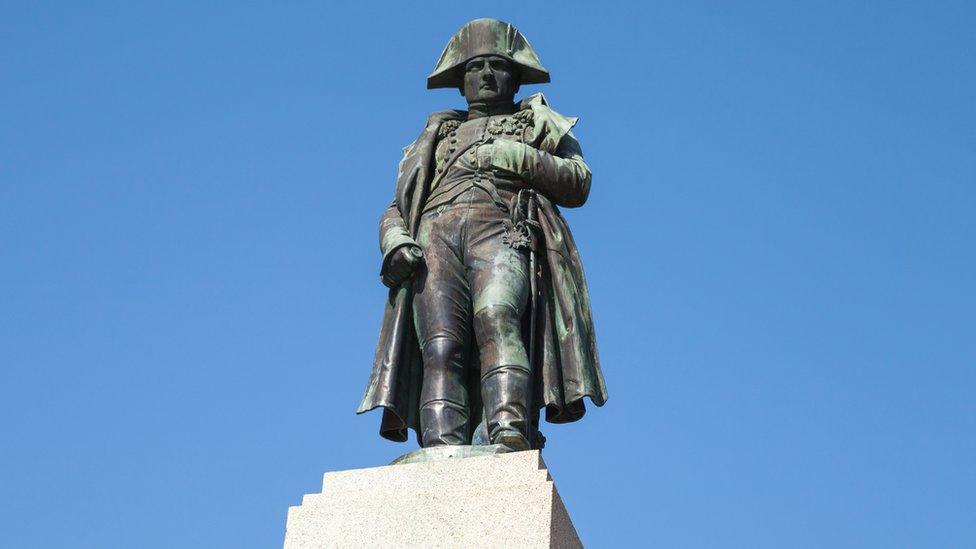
x=525 y=116
x=447 y=127
x=514 y=125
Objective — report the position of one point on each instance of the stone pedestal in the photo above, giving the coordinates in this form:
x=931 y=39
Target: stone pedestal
x=504 y=500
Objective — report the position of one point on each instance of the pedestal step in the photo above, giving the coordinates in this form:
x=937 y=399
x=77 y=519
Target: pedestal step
x=505 y=500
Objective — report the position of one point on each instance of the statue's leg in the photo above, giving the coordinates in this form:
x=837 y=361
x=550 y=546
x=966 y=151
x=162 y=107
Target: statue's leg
x=442 y=306
x=500 y=289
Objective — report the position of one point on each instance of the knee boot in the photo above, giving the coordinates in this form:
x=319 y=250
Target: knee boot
x=443 y=423
x=444 y=395
x=505 y=391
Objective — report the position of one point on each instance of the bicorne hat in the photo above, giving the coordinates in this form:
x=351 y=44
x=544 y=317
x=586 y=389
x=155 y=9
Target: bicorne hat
x=486 y=37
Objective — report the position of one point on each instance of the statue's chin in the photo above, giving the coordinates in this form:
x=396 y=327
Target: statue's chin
x=491 y=97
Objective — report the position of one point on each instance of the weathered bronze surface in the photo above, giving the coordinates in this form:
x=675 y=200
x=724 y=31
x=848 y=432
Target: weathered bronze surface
x=488 y=318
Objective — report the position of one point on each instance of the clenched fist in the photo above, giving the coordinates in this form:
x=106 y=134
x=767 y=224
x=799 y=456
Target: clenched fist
x=403 y=264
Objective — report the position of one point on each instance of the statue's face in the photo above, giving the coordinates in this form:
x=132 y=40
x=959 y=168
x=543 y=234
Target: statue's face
x=489 y=78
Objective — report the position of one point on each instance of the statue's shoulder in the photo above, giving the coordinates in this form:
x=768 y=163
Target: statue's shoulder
x=445 y=122
x=550 y=126
x=434 y=122
x=439 y=117
x=534 y=101
x=539 y=106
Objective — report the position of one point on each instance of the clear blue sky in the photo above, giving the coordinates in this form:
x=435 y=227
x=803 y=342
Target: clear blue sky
x=779 y=245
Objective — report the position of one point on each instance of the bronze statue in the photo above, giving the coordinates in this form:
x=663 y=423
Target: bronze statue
x=488 y=318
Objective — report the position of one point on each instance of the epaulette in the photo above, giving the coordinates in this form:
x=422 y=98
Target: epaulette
x=525 y=116
x=447 y=127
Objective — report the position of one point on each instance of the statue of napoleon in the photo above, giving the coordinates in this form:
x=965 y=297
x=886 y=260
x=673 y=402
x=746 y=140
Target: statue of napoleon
x=488 y=319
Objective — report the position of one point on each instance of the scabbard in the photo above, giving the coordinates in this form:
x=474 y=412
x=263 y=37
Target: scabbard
x=533 y=281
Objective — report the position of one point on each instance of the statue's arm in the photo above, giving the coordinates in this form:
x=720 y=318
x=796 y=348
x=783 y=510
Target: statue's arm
x=393 y=236
x=562 y=176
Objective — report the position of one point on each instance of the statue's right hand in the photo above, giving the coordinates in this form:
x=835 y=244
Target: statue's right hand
x=403 y=264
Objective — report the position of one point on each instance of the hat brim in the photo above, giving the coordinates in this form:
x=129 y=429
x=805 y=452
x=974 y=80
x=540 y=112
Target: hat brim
x=453 y=77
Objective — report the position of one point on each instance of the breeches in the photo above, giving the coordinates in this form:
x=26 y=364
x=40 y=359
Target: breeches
x=474 y=290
